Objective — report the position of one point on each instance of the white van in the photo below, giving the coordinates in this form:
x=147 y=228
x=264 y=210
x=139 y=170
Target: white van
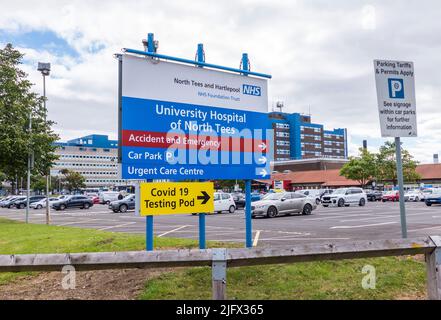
x=107 y=197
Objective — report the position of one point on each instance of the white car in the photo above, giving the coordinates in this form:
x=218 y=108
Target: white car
x=345 y=197
x=107 y=197
x=42 y=203
x=428 y=193
x=413 y=196
x=224 y=202
x=315 y=194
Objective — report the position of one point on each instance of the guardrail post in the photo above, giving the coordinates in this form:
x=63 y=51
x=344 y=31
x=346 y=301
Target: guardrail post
x=219 y=274
x=433 y=267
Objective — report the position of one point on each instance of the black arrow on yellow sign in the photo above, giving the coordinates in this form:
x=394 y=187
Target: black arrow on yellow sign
x=205 y=197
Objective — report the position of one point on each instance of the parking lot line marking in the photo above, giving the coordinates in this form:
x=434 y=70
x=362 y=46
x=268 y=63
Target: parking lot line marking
x=117 y=226
x=165 y=233
x=256 y=238
x=372 y=218
x=301 y=239
x=76 y=222
x=428 y=228
x=363 y=225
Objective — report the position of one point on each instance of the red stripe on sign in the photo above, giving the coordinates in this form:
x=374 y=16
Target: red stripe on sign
x=148 y=139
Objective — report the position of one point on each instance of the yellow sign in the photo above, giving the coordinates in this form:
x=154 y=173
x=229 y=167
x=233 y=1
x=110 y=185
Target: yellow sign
x=160 y=198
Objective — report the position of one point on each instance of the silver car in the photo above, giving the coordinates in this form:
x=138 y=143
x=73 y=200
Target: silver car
x=274 y=204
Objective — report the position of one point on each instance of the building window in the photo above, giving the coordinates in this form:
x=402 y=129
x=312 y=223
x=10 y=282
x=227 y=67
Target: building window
x=282 y=134
x=282 y=126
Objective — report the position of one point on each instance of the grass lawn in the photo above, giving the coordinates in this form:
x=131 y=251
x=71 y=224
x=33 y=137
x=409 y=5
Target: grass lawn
x=397 y=278
x=17 y=237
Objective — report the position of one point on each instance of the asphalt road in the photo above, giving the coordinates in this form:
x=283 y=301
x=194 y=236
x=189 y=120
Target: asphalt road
x=374 y=221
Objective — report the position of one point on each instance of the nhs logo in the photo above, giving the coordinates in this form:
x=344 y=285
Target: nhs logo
x=396 y=88
x=251 y=90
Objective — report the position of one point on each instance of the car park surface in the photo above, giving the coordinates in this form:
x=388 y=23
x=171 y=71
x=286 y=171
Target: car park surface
x=376 y=220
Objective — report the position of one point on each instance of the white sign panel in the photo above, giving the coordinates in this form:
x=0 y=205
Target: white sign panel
x=396 y=98
x=167 y=81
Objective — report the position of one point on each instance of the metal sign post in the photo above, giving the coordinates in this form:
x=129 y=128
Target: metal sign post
x=395 y=84
x=401 y=187
x=248 y=218
x=200 y=55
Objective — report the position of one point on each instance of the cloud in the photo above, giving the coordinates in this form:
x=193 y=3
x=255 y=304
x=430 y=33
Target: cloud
x=319 y=52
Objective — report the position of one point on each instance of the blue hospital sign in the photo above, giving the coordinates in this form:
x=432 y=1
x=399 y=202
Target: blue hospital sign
x=395 y=84
x=183 y=122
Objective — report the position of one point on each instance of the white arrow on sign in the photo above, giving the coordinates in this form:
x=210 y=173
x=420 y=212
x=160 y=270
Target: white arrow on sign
x=262 y=159
x=262 y=146
x=263 y=172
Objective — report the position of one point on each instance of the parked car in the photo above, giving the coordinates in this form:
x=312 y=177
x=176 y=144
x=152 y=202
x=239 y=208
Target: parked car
x=428 y=192
x=391 y=196
x=239 y=199
x=128 y=203
x=11 y=202
x=374 y=195
x=434 y=198
x=82 y=202
x=42 y=203
x=5 y=200
x=316 y=194
x=107 y=197
x=274 y=204
x=95 y=198
x=326 y=192
x=224 y=202
x=20 y=204
x=345 y=197
x=414 y=196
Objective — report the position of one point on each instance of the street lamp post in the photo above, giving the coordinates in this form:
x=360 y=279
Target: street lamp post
x=28 y=191
x=45 y=69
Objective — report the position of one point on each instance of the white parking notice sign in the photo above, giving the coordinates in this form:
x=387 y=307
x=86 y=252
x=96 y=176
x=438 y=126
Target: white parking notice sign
x=396 y=98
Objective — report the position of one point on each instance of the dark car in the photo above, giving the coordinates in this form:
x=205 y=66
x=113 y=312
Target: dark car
x=127 y=203
x=20 y=204
x=81 y=202
x=11 y=202
x=374 y=195
x=239 y=199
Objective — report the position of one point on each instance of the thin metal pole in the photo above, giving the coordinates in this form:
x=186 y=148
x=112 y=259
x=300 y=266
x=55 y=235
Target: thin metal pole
x=149 y=219
x=48 y=217
x=29 y=168
x=401 y=187
x=149 y=233
x=248 y=224
x=202 y=238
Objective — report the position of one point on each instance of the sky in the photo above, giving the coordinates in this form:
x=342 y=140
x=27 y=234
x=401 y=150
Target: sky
x=320 y=54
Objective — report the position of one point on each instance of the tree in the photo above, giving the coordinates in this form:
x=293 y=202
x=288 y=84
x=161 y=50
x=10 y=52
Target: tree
x=72 y=180
x=361 y=168
x=38 y=183
x=387 y=168
x=17 y=104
